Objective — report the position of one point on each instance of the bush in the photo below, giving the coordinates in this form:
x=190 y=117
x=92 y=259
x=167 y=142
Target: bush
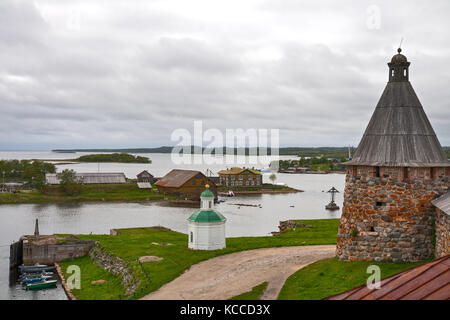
x=69 y=183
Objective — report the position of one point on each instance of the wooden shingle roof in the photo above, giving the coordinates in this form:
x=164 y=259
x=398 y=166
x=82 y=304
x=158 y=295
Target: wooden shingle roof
x=399 y=132
x=430 y=281
x=176 y=178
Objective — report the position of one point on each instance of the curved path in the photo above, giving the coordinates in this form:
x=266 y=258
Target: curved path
x=229 y=275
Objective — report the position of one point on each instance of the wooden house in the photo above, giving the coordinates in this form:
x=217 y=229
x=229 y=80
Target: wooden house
x=145 y=176
x=240 y=177
x=186 y=184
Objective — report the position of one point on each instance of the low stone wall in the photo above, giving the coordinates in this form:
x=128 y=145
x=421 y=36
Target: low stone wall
x=116 y=266
x=442 y=234
x=49 y=253
x=63 y=283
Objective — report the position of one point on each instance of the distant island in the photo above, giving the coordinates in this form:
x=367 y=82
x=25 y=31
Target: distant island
x=328 y=152
x=113 y=157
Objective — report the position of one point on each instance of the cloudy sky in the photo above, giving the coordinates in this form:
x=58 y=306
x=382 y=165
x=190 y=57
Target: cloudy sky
x=104 y=73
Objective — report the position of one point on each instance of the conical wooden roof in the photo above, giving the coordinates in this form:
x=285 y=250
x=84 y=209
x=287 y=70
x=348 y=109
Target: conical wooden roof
x=399 y=132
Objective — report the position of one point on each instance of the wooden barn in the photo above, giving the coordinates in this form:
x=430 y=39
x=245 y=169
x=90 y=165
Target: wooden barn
x=145 y=176
x=186 y=184
x=90 y=178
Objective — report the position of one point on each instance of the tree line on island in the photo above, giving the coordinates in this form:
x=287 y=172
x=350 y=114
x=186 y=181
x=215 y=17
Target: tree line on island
x=113 y=157
x=328 y=152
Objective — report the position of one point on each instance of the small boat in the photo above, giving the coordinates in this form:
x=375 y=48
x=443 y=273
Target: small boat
x=33 y=280
x=41 y=285
x=35 y=274
x=36 y=268
x=230 y=194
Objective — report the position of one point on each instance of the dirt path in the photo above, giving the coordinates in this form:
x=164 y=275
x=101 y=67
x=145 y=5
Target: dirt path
x=230 y=275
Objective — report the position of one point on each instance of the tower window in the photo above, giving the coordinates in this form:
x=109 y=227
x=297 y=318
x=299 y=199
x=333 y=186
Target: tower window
x=404 y=72
x=432 y=173
x=377 y=172
x=405 y=174
x=355 y=171
x=192 y=237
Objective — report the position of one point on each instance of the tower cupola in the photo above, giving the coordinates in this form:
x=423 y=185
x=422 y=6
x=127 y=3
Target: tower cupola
x=399 y=67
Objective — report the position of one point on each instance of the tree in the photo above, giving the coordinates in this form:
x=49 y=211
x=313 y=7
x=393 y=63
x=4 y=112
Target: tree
x=273 y=177
x=69 y=182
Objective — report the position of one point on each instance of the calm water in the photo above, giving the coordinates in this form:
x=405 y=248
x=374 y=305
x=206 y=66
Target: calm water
x=99 y=218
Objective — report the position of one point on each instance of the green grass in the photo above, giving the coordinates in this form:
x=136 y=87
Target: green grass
x=131 y=244
x=110 y=290
x=331 y=276
x=128 y=192
x=254 y=294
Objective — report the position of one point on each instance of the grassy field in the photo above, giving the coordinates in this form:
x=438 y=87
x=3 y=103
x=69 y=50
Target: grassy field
x=331 y=276
x=254 y=294
x=131 y=244
x=128 y=192
x=112 y=289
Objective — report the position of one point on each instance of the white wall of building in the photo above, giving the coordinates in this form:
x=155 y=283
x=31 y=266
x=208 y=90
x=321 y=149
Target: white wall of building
x=206 y=236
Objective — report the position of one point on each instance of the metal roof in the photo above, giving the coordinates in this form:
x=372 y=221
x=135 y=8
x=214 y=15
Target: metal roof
x=207 y=216
x=399 y=133
x=237 y=170
x=176 y=178
x=430 y=281
x=144 y=185
x=443 y=203
x=91 y=178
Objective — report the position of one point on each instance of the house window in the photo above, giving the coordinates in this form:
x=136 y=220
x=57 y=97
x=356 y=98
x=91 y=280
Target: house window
x=192 y=237
x=354 y=171
x=380 y=204
x=432 y=173
x=377 y=172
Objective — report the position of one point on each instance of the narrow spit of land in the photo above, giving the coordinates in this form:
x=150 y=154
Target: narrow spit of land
x=127 y=192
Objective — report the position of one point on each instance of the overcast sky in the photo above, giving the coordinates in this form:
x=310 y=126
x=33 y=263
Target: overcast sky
x=104 y=73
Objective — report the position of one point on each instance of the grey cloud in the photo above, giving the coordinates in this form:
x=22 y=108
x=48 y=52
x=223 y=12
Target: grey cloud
x=132 y=74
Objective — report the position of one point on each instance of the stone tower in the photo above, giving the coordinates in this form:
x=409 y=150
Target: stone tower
x=397 y=170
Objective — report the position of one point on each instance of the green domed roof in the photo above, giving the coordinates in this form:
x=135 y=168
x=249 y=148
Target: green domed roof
x=207 y=216
x=207 y=194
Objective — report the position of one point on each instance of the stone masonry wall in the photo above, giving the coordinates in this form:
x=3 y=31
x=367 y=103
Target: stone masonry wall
x=442 y=234
x=388 y=215
x=54 y=252
x=116 y=266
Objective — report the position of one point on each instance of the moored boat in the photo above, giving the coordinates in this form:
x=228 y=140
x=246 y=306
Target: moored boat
x=36 y=268
x=41 y=285
x=34 y=280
